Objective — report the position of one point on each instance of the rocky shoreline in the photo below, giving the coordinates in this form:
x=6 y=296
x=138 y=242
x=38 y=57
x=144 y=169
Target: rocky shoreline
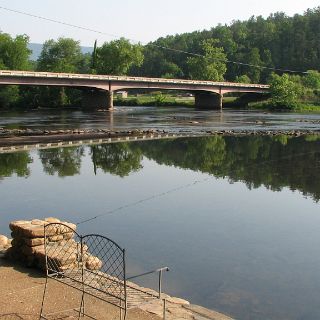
x=19 y=137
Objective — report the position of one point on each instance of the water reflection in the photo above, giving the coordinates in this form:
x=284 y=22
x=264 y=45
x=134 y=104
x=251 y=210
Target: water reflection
x=119 y=159
x=238 y=248
x=275 y=162
x=63 y=161
x=15 y=163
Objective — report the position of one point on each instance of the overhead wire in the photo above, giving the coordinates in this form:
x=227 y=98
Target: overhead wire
x=151 y=44
x=160 y=47
x=181 y=187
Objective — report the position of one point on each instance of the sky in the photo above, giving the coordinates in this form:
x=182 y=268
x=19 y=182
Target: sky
x=138 y=20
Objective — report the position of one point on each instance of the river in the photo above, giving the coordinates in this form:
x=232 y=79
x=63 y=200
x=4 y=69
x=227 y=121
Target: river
x=162 y=118
x=235 y=218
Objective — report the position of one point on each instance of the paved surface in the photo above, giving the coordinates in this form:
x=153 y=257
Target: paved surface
x=21 y=295
x=22 y=290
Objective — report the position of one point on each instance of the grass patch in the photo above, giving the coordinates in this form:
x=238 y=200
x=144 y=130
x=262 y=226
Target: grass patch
x=154 y=100
x=267 y=106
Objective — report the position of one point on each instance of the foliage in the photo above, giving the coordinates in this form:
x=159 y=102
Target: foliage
x=284 y=91
x=159 y=99
x=210 y=66
x=243 y=79
x=312 y=79
x=154 y=100
x=9 y=95
x=14 y=53
x=117 y=57
x=276 y=41
x=63 y=55
x=171 y=70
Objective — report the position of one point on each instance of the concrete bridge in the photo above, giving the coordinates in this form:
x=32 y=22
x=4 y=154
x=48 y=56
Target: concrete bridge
x=98 y=89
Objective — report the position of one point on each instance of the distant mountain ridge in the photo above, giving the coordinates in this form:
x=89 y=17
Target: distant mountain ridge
x=36 y=49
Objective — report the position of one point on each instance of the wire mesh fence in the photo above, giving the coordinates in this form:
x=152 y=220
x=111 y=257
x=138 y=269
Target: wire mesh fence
x=94 y=265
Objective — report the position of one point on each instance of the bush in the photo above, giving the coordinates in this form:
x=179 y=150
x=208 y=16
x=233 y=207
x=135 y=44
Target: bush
x=285 y=93
x=312 y=79
x=243 y=79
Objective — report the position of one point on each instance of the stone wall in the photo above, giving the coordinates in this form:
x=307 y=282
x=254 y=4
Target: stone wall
x=27 y=245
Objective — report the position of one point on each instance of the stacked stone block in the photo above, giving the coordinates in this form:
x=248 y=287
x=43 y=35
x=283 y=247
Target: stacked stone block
x=5 y=244
x=63 y=251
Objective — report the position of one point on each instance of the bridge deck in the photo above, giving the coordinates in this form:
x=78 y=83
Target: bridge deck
x=52 y=75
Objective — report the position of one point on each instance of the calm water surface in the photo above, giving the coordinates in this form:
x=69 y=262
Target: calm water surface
x=236 y=219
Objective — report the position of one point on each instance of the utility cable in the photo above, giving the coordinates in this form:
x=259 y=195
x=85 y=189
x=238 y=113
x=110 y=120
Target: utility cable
x=185 y=186
x=151 y=44
x=59 y=22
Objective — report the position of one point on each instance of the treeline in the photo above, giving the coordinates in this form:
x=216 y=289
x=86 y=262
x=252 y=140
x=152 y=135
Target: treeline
x=62 y=55
x=278 y=41
x=226 y=52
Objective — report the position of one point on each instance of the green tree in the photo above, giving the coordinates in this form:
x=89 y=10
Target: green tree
x=117 y=57
x=284 y=91
x=243 y=79
x=14 y=52
x=276 y=41
x=253 y=58
x=210 y=66
x=63 y=55
x=14 y=55
x=9 y=95
x=171 y=70
x=312 y=79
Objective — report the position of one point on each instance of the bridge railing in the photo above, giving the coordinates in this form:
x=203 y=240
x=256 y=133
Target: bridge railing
x=34 y=74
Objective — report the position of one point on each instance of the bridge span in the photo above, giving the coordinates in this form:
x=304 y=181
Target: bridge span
x=98 y=89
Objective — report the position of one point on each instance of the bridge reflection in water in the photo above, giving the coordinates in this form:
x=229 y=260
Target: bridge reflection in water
x=254 y=160
x=248 y=245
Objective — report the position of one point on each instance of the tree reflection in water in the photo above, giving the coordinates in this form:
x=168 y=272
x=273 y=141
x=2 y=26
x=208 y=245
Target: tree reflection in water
x=64 y=161
x=15 y=163
x=272 y=161
x=118 y=158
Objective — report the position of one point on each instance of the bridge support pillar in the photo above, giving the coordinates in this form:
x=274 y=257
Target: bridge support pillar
x=97 y=99
x=208 y=100
x=110 y=100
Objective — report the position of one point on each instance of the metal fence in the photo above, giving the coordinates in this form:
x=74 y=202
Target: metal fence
x=94 y=265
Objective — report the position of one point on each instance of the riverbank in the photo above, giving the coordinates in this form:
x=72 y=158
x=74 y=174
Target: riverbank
x=22 y=288
x=155 y=100
x=267 y=106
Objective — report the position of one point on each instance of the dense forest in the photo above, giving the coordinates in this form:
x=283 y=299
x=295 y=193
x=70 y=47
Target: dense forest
x=244 y=51
x=278 y=41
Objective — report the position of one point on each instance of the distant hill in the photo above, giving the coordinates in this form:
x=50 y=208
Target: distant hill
x=36 y=49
